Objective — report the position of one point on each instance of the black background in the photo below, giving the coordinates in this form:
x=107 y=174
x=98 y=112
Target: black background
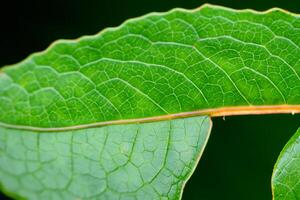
x=238 y=161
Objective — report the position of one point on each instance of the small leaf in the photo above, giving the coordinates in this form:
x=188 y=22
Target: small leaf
x=286 y=175
x=133 y=161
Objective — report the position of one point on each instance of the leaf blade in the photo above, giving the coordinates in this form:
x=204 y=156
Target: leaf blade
x=285 y=178
x=151 y=160
x=159 y=64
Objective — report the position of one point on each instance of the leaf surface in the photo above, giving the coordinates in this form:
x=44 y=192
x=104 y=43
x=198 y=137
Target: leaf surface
x=159 y=64
x=286 y=175
x=133 y=161
x=209 y=61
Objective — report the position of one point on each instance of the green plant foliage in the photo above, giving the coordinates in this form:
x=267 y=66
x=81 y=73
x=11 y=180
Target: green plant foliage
x=286 y=175
x=51 y=104
x=133 y=161
x=155 y=65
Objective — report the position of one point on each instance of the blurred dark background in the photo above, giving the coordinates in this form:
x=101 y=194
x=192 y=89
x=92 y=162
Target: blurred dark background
x=238 y=161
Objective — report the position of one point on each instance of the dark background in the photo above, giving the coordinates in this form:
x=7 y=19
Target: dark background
x=238 y=161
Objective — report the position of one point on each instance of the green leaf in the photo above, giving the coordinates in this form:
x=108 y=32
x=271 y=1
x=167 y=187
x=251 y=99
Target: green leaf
x=179 y=61
x=286 y=174
x=209 y=61
x=133 y=161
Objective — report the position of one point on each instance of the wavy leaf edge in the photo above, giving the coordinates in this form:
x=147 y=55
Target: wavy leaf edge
x=213 y=112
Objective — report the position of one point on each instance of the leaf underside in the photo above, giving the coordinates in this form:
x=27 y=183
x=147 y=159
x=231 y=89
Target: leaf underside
x=286 y=175
x=133 y=161
x=159 y=64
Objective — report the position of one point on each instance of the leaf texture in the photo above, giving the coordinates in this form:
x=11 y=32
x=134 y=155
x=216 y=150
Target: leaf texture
x=174 y=64
x=286 y=175
x=133 y=161
x=160 y=64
